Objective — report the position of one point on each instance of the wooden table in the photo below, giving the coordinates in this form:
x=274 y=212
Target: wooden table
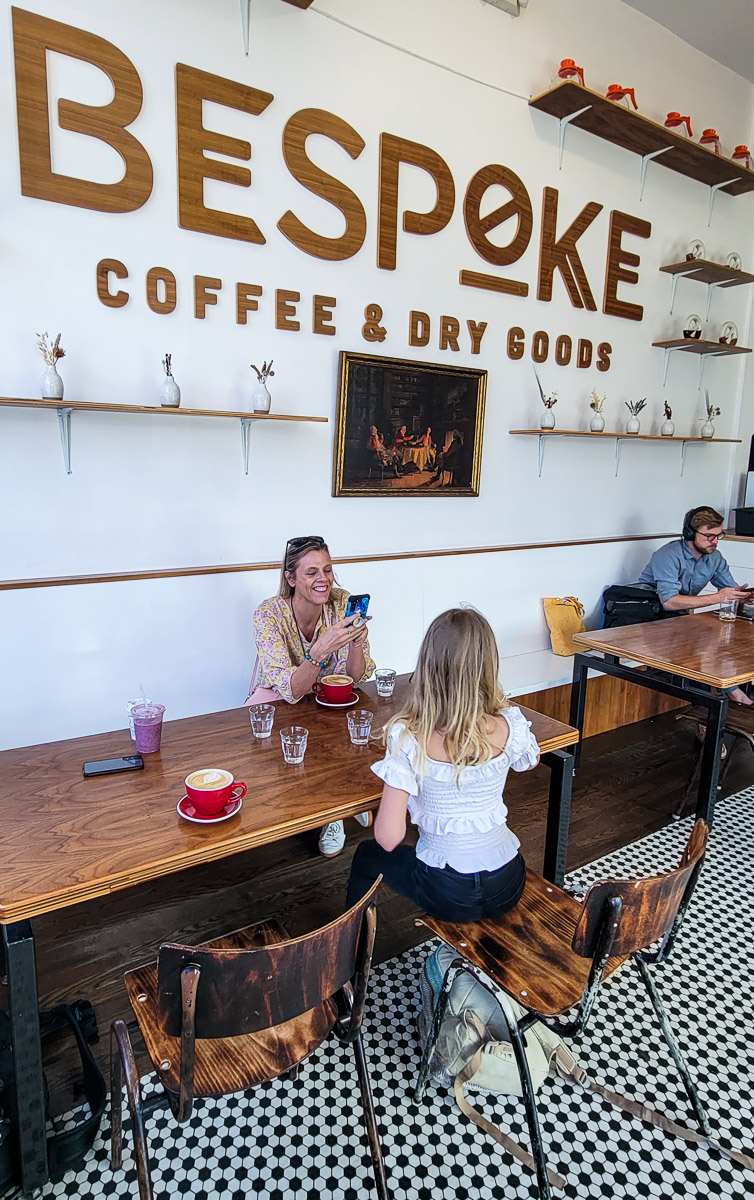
x=677 y=656
x=66 y=839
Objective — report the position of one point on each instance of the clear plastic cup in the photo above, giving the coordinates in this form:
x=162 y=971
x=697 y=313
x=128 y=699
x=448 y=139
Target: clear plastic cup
x=385 y=680
x=261 y=717
x=147 y=719
x=293 y=739
x=359 y=726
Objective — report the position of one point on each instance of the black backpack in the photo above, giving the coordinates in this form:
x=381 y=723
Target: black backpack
x=630 y=604
x=66 y=1148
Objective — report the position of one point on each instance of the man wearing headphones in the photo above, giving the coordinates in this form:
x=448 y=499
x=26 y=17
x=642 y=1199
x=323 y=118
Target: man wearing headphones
x=681 y=569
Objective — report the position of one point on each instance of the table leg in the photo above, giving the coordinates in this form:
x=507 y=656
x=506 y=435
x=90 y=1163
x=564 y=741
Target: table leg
x=561 y=764
x=578 y=700
x=23 y=1008
x=717 y=709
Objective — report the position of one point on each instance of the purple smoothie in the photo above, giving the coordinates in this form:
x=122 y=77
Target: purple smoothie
x=147 y=720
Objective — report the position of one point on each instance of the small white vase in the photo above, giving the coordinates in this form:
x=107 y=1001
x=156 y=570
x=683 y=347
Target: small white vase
x=667 y=429
x=170 y=393
x=261 y=399
x=51 y=385
x=547 y=420
x=597 y=423
x=707 y=430
x=633 y=425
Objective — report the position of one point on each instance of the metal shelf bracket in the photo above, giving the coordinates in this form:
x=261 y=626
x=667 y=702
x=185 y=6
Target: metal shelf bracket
x=245 y=439
x=564 y=121
x=665 y=366
x=714 y=189
x=674 y=284
x=710 y=288
x=245 y=13
x=540 y=453
x=646 y=158
x=64 y=422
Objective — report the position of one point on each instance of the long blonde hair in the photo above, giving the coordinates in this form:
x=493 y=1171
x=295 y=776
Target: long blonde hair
x=454 y=688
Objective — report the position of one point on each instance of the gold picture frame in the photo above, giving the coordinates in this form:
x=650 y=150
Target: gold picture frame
x=406 y=428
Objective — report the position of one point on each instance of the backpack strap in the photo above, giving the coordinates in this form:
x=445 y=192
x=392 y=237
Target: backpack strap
x=567 y=1068
x=465 y=1076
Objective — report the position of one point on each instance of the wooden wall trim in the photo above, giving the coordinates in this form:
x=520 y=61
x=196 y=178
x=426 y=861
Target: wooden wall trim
x=7 y=585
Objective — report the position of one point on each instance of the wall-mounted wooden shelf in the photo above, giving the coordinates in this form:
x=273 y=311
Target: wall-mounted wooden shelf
x=618 y=438
x=698 y=346
x=573 y=104
x=64 y=408
x=701 y=270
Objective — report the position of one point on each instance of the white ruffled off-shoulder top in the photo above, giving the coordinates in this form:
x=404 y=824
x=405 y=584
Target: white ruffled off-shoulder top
x=462 y=822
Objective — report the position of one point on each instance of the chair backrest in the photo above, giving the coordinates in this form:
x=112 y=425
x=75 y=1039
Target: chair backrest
x=244 y=991
x=649 y=905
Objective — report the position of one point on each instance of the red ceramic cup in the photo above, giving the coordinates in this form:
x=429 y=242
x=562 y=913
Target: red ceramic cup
x=211 y=788
x=334 y=689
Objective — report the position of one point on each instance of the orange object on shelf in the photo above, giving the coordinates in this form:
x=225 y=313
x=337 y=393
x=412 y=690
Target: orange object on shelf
x=742 y=154
x=674 y=119
x=618 y=93
x=569 y=70
x=710 y=138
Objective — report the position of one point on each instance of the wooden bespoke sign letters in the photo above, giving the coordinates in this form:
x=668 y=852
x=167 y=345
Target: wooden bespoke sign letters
x=512 y=218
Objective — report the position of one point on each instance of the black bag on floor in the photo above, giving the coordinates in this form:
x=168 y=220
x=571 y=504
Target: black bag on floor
x=66 y=1148
x=630 y=604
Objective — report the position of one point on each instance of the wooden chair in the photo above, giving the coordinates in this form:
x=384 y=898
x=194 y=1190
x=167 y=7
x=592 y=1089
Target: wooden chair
x=738 y=729
x=550 y=954
x=239 y=1011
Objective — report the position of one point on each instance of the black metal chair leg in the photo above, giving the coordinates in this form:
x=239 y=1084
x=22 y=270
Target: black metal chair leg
x=133 y=1092
x=675 y=1049
x=370 y=1118
x=116 y=1105
x=535 y=1133
x=434 y=1033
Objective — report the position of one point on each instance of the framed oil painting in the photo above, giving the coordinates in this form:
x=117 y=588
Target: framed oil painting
x=407 y=428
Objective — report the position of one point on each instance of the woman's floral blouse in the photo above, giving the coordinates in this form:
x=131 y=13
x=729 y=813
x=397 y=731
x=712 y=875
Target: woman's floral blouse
x=280 y=649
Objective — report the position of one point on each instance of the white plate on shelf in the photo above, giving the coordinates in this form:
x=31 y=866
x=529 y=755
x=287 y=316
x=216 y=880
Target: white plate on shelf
x=344 y=704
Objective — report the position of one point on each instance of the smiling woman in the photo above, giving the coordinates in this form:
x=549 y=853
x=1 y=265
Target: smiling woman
x=302 y=634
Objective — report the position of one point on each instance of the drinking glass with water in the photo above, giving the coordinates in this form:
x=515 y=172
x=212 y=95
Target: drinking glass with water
x=359 y=726
x=261 y=717
x=294 y=738
x=385 y=679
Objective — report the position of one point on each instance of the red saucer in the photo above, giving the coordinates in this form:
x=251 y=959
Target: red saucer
x=353 y=699
x=185 y=809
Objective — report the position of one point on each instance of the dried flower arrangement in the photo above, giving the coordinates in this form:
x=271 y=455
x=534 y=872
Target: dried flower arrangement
x=712 y=409
x=167 y=360
x=51 y=351
x=635 y=406
x=596 y=401
x=668 y=410
x=548 y=401
x=265 y=373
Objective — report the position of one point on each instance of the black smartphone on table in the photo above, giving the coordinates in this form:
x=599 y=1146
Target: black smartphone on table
x=113 y=766
x=357 y=604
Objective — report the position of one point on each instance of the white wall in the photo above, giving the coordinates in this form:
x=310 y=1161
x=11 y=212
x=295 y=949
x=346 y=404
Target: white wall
x=150 y=494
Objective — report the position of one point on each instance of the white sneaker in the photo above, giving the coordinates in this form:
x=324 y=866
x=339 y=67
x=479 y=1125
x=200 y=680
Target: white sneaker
x=332 y=839
x=364 y=819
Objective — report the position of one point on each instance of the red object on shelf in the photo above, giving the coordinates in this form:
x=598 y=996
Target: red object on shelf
x=674 y=119
x=569 y=70
x=742 y=154
x=710 y=138
x=618 y=93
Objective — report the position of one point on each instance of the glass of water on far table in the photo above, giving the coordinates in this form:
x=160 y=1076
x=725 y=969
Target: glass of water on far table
x=727 y=610
x=385 y=680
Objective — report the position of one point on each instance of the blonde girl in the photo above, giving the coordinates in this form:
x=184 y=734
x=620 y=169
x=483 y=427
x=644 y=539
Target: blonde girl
x=447 y=759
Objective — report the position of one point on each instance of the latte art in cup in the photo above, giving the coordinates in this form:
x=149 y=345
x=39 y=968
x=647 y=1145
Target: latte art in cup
x=209 y=780
x=337 y=680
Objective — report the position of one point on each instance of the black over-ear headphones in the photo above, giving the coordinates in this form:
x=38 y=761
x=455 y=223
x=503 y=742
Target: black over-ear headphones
x=688 y=533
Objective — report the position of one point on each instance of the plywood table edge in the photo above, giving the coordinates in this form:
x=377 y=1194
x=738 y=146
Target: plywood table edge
x=718 y=681
x=158 y=410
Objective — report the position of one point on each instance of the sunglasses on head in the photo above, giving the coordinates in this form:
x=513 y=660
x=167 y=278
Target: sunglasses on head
x=298 y=543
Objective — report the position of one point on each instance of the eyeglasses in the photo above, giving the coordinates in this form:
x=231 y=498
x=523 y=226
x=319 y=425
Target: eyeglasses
x=298 y=543
x=711 y=537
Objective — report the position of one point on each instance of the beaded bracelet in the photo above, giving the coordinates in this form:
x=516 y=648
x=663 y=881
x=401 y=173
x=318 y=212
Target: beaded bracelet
x=309 y=659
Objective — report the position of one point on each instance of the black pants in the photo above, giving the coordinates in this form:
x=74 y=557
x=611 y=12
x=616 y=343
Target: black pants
x=442 y=892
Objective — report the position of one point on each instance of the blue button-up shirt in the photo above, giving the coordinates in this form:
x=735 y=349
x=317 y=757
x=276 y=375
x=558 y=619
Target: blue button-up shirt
x=676 y=571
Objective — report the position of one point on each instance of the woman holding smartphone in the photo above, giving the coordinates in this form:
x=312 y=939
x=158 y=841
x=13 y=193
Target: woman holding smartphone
x=304 y=633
